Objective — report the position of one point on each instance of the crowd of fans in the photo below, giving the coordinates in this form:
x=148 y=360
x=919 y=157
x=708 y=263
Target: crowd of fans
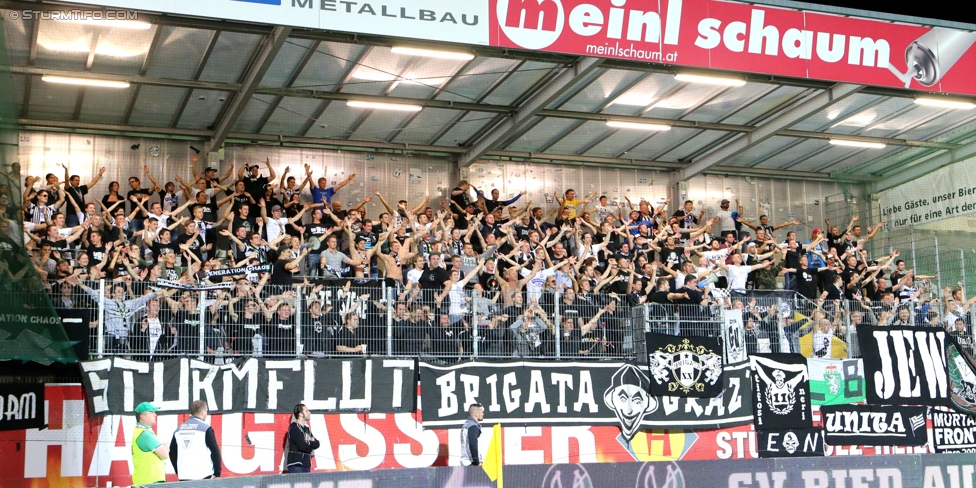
x=469 y=273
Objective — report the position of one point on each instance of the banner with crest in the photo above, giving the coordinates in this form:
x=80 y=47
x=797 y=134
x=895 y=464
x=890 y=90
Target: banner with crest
x=684 y=366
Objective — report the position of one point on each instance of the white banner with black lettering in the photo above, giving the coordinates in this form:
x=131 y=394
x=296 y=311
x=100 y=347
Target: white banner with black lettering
x=905 y=365
x=115 y=386
x=734 y=334
x=571 y=393
x=874 y=425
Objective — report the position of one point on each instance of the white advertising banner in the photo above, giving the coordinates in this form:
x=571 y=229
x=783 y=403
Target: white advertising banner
x=948 y=192
x=436 y=20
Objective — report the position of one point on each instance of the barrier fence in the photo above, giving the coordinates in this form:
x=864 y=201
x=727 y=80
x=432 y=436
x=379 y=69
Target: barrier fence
x=336 y=319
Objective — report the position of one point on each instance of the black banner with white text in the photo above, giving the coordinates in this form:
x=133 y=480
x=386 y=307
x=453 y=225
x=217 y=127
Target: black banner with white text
x=115 y=386
x=905 y=365
x=790 y=443
x=21 y=406
x=953 y=431
x=874 y=425
x=562 y=393
x=684 y=366
x=781 y=391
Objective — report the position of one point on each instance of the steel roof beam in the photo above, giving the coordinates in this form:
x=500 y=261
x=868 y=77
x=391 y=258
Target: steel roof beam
x=528 y=110
x=924 y=167
x=252 y=79
x=769 y=129
x=139 y=79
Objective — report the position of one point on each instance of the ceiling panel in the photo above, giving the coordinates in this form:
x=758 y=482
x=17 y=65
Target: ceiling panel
x=121 y=51
x=19 y=84
x=230 y=57
x=599 y=92
x=477 y=79
x=284 y=64
x=380 y=69
x=519 y=83
x=427 y=123
x=53 y=100
x=851 y=111
x=645 y=93
x=64 y=45
x=618 y=142
x=672 y=151
x=178 y=52
x=17 y=34
x=290 y=117
x=202 y=109
x=728 y=102
x=336 y=119
x=760 y=151
x=852 y=161
x=580 y=138
x=379 y=125
x=102 y=105
x=675 y=104
x=156 y=106
x=541 y=134
x=465 y=128
x=762 y=109
x=328 y=65
x=787 y=157
x=425 y=76
x=831 y=153
x=255 y=110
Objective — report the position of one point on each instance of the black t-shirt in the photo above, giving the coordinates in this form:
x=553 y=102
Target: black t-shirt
x=460 y=199
x=806 y=282
x=96 y=254
x=685 y=220
x=443 y=340
x=255 y=186
x=280 y=275
x=315 y=230
x=695 y=296
x=195 y=246
x=169 y=201
x=78 y=194
x=672 y=256
x=348 y=338
x=132 y=205
x=434 y=278
x=157 y=248
x=249 y=223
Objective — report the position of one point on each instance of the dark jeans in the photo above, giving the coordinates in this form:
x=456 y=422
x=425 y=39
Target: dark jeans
x=297 y=468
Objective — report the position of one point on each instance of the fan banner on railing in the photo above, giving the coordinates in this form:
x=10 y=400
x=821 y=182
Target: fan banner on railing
x=115 y=386
x=21 y=406
x=874 y=425
x=734 y=334
x=790 y=443
x=962 y=377
x=905 y=365
x=684 y=366
x=953 y=431
x=781 y=391
x=575 y=393
x=836 y=381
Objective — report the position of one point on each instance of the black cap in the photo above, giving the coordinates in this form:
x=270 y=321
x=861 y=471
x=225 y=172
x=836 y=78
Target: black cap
x=210 y=169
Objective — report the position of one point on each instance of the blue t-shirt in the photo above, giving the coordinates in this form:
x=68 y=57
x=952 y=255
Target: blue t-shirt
x=319 y=194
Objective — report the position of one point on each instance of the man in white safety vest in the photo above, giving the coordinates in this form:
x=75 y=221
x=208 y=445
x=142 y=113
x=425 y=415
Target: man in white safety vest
x=194 y=450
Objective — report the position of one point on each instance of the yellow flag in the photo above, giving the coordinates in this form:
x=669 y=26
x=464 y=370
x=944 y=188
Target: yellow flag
x=493 y=459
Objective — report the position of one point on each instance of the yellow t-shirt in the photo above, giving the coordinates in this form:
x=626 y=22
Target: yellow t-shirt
x=571 y=205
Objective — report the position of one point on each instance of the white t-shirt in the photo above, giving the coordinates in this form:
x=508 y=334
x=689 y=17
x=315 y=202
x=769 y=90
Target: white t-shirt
x=725 y=220
x=737 y=277
x=715 y=257
x=276 y=227
x=535 y=285
x=413 y=276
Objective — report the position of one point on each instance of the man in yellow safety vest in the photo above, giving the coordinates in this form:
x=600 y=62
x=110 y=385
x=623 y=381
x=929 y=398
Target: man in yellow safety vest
x=149 y=455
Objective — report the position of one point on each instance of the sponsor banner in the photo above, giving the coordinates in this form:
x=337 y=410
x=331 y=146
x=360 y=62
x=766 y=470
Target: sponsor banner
x=734 y=334
x=875 y=425
x=433 y=20
x=714 y=34
x=116 y=386
x=546 y=393
x=791 y=443
x=183 y=286
x=953 y=431
x=905 y=365
x=781 y=391
x=684 y=366
x=21 y=406
x=261 y=268
x=743 y=37
x=962 y=377
x=836 y=381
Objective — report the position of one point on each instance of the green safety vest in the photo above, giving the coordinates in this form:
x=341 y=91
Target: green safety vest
x=148 y=467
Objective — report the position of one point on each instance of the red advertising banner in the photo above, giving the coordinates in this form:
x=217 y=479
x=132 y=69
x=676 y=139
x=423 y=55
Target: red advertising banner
x=76 y=450
x=741 y=37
